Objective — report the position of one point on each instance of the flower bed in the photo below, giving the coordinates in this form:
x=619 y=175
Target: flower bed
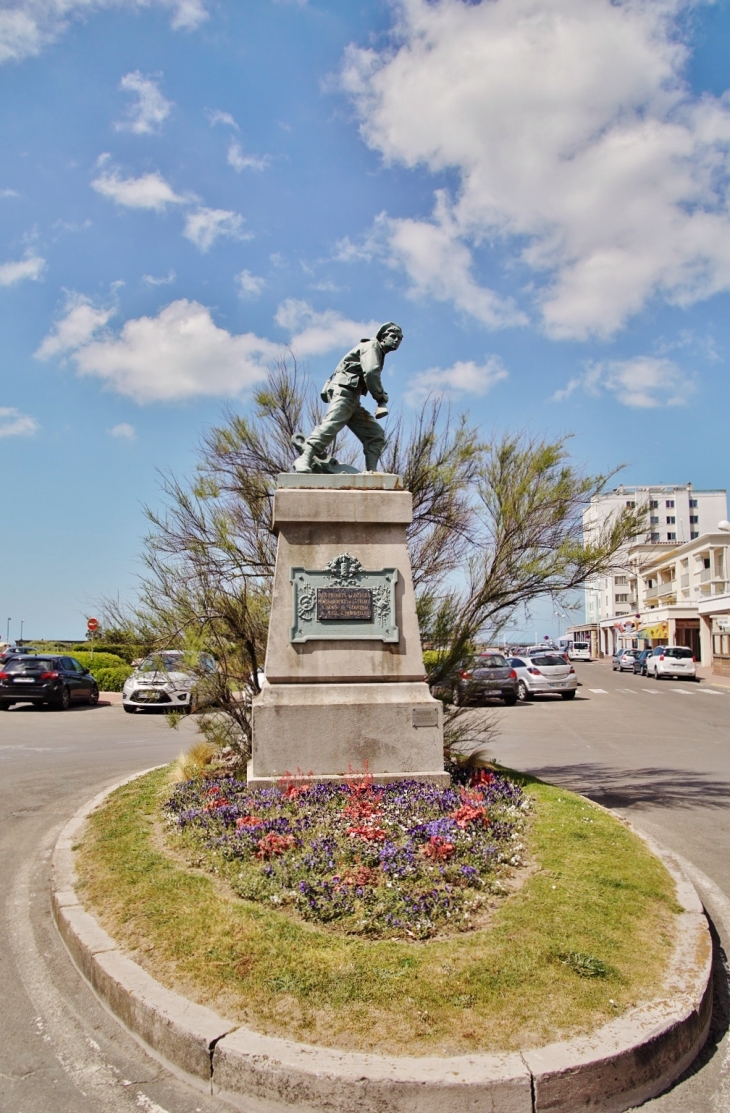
x=399 y=860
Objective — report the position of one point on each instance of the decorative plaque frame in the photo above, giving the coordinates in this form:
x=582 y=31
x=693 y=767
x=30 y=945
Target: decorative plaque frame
x=372 y=593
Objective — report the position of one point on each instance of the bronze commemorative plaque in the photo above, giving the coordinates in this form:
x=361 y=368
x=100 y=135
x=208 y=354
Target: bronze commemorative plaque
x=344 y=604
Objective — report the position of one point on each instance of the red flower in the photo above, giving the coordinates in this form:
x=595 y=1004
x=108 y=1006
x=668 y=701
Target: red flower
x=438 y=848
x=480 y=777
x=248 y=821
x=366 y=831
x=272 y=844
x=357 y=877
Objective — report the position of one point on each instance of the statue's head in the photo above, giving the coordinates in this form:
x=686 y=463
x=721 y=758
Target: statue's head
x=390 y=335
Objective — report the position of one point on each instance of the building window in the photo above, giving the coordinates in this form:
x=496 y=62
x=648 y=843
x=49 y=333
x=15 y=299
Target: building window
x=671 y=537
x=671 y=520
x=654 y=537
x=693 y=535
x=694 y=519
x=693 y=503
x=620 y=581
x=630 y=503
x=654 y=521
x=653 y=505
x=622 y=598
x=669 y=504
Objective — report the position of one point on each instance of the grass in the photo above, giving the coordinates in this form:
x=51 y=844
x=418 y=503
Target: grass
x=588 y=935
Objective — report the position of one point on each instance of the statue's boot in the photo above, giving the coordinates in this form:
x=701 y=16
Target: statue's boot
x=304 y=462
x=372 y=460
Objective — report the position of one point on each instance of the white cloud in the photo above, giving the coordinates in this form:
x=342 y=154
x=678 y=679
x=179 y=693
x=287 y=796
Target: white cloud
x=13 y=423
x=32 y=266
x=644 y=382
x=438 y=264
x=124 y=431
x=578 y=145
x=204 y=226
x=150 y=191
x=151 y=108
x=181 y=353
x=27 y=26
x=463 y=377
x=217 y=117
x=150 y=280
x=80 y=322
x=239 y=161
x=9 y=193
x=249 y=285
x=313 y=333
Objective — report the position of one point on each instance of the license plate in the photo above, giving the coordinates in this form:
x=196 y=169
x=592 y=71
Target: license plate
x=24 y=680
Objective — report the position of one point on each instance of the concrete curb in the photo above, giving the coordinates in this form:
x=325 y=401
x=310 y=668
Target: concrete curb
x=621 y=1065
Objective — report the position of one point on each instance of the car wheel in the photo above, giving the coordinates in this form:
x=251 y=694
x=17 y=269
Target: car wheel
x=567 y=695
x=510 y=699
x=4 y=705
x=128 y=709
x=93 y=696
x=523 y=692
x=64 y=701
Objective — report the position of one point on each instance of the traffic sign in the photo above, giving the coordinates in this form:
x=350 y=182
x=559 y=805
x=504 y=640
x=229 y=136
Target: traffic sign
x=92 y=624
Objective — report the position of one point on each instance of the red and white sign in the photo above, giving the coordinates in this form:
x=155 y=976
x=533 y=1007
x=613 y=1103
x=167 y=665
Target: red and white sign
x=92 y=624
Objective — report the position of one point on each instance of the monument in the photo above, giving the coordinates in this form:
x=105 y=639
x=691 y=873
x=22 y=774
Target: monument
x=345 y=682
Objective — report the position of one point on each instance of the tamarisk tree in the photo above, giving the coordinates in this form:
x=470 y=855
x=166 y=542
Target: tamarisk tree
x=496 y=524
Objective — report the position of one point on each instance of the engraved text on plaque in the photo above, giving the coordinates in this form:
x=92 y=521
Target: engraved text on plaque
x=344 y=604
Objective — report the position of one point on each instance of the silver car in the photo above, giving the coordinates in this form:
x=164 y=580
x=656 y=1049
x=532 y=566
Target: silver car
x=166 y=680
x=544 y=673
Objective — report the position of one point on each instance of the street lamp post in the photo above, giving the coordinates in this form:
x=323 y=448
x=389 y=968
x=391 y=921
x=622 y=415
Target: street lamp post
x=7 y=631
x=22 y=624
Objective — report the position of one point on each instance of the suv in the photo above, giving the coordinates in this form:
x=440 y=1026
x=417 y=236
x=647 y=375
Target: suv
x=168 y=680
x=482 y=676
x=671 y=660
x=58 y=681
x=579 y=651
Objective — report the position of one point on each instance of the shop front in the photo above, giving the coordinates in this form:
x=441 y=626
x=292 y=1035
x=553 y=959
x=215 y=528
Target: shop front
x=655 y=634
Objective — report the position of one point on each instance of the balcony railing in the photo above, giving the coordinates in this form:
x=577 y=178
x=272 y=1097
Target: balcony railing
x=705 y=575
x=684 y=582
x=667 y=589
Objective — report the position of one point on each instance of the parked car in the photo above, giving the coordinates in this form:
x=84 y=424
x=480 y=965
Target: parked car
x=624 y=659
x=483 y=676
x=57 y=681
x=543 y=673
x=168 y=680
x=579 y=651
x=671 y=660
x=640 y=661
x=13 y=651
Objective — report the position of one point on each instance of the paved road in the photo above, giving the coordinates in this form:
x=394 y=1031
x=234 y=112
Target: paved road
x=658 y=753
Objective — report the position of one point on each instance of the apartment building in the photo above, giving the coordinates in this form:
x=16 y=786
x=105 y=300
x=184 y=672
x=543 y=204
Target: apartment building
x=675 y=516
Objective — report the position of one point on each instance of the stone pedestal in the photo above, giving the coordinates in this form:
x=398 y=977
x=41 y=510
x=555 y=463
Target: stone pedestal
x=344 y=669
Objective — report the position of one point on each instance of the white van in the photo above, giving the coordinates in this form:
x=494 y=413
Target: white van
x=579 y=651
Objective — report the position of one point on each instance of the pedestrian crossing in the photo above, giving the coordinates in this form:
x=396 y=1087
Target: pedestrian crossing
x=684 y=692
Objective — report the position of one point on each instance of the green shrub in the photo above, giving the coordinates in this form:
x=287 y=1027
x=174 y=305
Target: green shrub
x=99 y=661
x=126 y=653
x=112 y=680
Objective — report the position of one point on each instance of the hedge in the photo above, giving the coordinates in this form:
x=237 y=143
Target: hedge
x=112 y=680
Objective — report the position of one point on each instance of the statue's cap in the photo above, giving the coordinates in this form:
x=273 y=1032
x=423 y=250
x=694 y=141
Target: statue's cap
x=386 y=327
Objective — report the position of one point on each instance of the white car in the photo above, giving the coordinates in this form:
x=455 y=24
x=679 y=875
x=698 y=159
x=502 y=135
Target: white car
x=542 y=673
x=165 y=680
x=623 y=659
x=671 y=660
x=579 y=651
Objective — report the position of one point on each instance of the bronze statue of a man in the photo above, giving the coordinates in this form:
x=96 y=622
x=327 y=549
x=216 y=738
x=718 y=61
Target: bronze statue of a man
x=356 y=375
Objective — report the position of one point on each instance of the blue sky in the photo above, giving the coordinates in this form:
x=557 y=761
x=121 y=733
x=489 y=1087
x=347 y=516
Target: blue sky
x=536 y=190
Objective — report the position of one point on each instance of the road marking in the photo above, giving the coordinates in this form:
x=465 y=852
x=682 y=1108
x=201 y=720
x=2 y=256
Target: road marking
x=651 y=691
x=601 y=691
x=631 y=691
x=680 y=692
x=709 y=692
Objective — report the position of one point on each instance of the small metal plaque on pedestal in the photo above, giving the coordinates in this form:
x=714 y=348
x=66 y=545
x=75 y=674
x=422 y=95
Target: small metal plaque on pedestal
x=344 y=601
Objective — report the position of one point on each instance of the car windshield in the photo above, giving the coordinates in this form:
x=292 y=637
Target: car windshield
x=490 y=661
x=163 y=662
x=681 y=653
x=630 y=652
x=35 y=664
x=548 y=659
x=580 y=645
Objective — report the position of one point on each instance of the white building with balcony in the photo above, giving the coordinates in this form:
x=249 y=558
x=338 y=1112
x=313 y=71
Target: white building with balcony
x=615 y=603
